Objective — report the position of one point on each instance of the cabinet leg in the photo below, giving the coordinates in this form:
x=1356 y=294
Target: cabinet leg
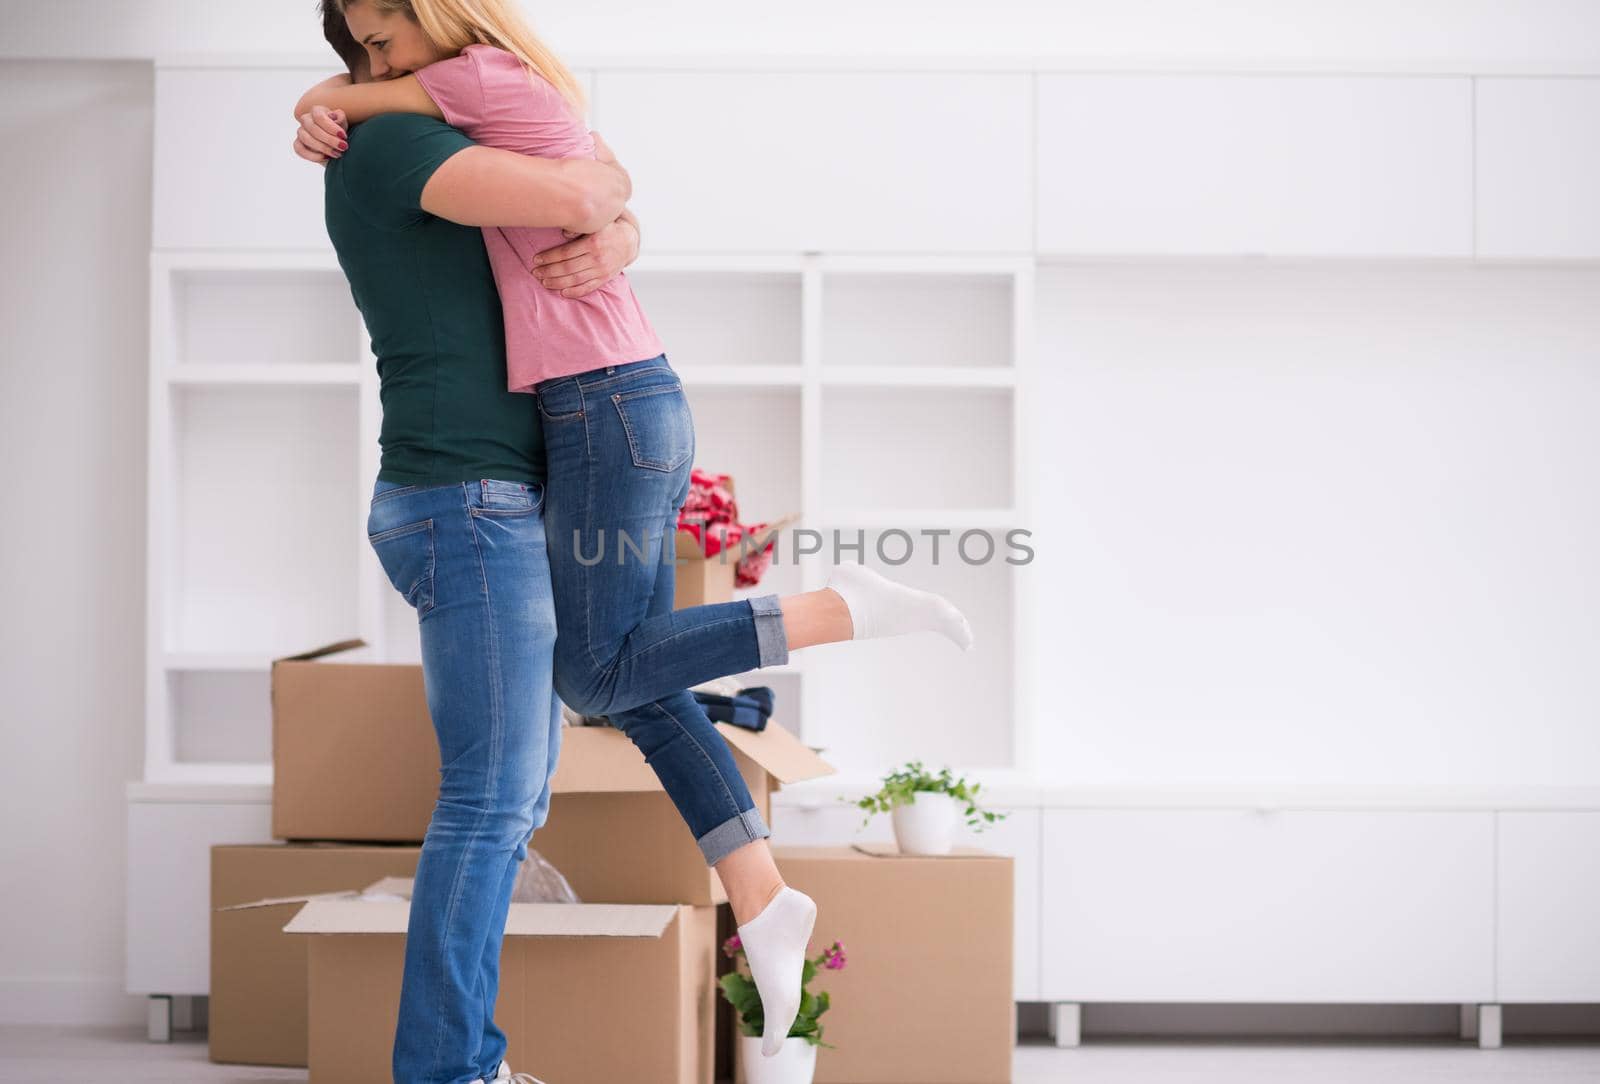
x=158 y=1018
x=1066 y=1023
x=1488 y=1027
x=1469 y=1021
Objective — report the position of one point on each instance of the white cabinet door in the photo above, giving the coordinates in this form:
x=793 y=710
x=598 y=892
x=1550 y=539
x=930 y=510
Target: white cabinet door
x=1549 y=907
x=1538 y=152
x=225 y=176
x=842 y=161
x=1289 y=906
x=827 y=822
x=1304 y=165
x=169 y=887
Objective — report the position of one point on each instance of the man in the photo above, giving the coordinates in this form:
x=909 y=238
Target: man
x=457 y=520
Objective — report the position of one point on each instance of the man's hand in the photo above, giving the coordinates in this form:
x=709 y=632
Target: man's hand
x=321 y=136
x=584 y=265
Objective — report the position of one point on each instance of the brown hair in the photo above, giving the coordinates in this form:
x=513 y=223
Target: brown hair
x=338 y=35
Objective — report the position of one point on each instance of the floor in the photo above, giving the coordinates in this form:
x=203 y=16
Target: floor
x=47 y=1055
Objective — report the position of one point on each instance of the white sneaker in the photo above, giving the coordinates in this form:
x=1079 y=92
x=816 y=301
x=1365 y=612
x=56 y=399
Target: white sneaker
x=504 y=1075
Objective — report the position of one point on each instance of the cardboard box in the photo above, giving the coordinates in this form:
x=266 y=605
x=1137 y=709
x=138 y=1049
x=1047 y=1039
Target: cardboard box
x=700 y=580
x=258 y=973
x=926 y=993
x=589 y=993
x=355 y=758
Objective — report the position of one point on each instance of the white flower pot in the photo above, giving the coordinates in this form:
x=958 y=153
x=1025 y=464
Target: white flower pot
x=794 y=1063
x=927 y=823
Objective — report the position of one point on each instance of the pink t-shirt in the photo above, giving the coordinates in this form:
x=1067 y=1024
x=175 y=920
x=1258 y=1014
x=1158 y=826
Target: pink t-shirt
x=489 y=95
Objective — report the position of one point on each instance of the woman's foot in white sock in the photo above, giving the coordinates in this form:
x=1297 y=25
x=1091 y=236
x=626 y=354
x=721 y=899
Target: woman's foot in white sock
x=880 y=607
x=774 y=943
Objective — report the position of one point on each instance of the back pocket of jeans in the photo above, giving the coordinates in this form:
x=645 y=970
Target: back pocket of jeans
x=659 y=427
x=406 y=554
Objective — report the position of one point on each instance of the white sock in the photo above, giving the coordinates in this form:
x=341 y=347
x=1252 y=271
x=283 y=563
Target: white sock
x=775 y=946
x=881 y=607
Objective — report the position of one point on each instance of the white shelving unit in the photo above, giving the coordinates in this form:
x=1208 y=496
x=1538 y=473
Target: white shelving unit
x=264 y=419
x=263 y=430
x=850 y=305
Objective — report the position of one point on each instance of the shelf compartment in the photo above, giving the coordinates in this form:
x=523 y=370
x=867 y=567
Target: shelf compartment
x=875 y=704
x=220 y=716
x=262 y=317
x=917 y=319
x=746 y=319
x=754 y=435
x=917 y=448
x=264 y=519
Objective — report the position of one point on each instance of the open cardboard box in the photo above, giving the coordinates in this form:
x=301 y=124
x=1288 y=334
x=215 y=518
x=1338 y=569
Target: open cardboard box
x=927 y=991
x=258 y=974
x=701 y=580
x=355 y=759
x=590 y=993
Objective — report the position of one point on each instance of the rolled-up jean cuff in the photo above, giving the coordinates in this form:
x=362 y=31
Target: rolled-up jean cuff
x=772 y=645
x=732 y=834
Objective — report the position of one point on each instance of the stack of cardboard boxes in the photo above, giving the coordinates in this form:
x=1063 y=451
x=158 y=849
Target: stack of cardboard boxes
x=620 y=987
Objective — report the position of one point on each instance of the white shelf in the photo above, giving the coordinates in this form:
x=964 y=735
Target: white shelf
x=269 y=373
x=920 y=376
x=241 y=661
x=210 y=774
x=874 y=517
x=740 y=376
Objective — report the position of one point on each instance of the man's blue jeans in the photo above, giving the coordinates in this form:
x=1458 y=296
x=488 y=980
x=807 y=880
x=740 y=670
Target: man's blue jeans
x=470 y=559
x=619 y=446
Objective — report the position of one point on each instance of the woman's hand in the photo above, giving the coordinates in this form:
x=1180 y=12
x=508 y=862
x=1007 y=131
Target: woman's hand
x=584 y=265
x=321 y=135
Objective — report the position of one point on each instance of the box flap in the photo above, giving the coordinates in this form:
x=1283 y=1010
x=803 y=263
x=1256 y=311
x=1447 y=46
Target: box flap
x=522 y=919
x=781 y=753
x=326 y=649
x=347 y=893
x=891 y=850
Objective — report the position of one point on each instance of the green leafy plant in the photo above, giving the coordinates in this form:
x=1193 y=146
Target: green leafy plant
x=740 y=990
x=901 y=785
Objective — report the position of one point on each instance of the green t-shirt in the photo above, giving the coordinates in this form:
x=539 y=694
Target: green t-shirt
x=426 y=291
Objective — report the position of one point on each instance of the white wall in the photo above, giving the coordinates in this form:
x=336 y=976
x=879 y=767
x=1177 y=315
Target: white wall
x=1420 y=35
x=75 y=203
x=1492 y=370
x=1318 y=524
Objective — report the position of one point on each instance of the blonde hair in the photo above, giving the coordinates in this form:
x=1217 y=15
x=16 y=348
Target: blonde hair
x=452 y=25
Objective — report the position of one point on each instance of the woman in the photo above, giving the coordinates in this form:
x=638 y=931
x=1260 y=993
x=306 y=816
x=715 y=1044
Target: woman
x=619 y=442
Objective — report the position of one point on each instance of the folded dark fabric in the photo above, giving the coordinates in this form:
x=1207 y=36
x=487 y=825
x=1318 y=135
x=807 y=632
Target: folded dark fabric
x=749 y=708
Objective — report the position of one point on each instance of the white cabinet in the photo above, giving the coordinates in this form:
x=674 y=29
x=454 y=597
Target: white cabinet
x=1538 y=161
x=171 y=831
x=1549 y=897
x=1286 y=906
x=841 y=161
x=225 y=176
x=1302 y=165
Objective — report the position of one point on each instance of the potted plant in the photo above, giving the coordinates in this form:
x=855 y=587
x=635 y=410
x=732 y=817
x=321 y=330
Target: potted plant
x=796 y=1061
x=924 y=808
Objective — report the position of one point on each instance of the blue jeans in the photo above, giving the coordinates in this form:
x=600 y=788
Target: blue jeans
x=619 y=445
x=470 y=559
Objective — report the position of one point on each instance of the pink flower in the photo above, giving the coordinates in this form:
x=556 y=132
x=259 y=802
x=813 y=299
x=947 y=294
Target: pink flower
x=833 y=958
x=732 y=945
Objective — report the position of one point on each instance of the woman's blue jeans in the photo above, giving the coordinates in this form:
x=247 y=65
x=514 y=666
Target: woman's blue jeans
x=619 y=446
